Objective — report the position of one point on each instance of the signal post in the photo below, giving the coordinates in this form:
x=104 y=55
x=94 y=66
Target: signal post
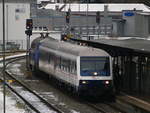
x=28 y=32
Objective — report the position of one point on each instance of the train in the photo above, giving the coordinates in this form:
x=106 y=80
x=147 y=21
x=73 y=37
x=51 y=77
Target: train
x=84 y=70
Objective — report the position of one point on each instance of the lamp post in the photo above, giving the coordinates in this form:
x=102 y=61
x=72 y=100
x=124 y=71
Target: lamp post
x=4 y=88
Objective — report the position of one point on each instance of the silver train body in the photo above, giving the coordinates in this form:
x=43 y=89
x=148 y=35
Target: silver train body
x=84 y=69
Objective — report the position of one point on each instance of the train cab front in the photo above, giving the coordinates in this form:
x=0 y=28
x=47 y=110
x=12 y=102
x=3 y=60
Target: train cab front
x=96 y=77
x=95 y=87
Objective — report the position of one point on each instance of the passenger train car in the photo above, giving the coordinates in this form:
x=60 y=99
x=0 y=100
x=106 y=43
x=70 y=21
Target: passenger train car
x=84 y=69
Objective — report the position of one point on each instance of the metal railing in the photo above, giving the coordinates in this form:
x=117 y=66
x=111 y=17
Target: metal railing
x=90 y=30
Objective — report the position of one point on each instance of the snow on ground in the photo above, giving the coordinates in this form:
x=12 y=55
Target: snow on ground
x=23 y=54
x=8 y=57
x=15 y=69
x=36 y=102
x=10 y=105
x=50 y=95
x=73 y=111
x=148 y=38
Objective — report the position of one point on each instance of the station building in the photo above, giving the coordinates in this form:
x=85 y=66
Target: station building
x=115 y=19
x=16 y=13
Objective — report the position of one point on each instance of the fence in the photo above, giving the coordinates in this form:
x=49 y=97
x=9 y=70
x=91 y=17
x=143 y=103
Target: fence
x=13 y=45
x=88 y=30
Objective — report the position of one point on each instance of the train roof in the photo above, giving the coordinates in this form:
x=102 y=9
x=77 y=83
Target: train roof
x=36 y=41
x=73 y=49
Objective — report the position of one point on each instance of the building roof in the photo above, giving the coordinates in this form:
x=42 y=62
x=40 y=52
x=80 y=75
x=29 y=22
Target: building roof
x=19 y=1
x=98 y=7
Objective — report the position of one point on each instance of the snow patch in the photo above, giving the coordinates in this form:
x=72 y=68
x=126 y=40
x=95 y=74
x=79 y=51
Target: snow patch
x=53 y=97
x=148 y=38
x=1 y=65
x=10 y=105
x=47 y=93
x=15 y=69
x=73 y=111
x=62 y=104
x=29 y=96
x=34 y=100
x=19 y=55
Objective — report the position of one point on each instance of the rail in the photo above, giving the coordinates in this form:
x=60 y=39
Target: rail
x=42 y=100
x=105 y=108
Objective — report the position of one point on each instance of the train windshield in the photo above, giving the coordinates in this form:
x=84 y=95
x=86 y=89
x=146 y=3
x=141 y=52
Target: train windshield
x=95 y=66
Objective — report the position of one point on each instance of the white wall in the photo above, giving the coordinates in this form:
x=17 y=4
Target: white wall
x=129 y=27
x=15 y=20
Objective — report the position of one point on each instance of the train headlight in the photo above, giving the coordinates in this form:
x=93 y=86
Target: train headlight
x=95 y=73
x=84 y=82
x=107 y=82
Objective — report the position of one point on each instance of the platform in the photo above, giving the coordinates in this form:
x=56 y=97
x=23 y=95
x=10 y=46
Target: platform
x=133 y=43
x=140 y=103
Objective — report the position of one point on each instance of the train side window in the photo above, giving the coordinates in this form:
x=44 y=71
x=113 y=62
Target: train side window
x=49 y=58
x=73 y=69
x=65 y=64
x=59 y=62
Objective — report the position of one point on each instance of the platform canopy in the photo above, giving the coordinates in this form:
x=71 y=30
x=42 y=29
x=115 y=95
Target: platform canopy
x=126 y=47
x=98 y=7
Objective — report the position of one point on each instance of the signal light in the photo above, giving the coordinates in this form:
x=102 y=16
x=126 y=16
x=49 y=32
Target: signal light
x=67 y=17
x=29 y=24
x=64 y=37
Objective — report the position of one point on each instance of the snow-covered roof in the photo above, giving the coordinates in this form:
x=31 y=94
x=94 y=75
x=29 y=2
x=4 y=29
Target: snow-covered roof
x=98 y=7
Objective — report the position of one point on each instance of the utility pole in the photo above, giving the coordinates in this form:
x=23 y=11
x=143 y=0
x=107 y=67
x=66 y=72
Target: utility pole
x=4 y=88
x=87 y=20
x=98 y=21
x=6 y=24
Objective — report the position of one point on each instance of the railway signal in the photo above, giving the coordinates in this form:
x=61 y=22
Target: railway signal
x=29 y=27
x=29 y=24
x=68 y=17
x=28 y=32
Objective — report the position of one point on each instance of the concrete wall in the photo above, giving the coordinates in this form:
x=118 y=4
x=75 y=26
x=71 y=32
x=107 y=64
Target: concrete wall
x=137 y=25
x=142 y=26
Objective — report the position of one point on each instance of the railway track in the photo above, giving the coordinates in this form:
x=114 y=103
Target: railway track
x=105 y=107
x=38 y=103
x=100 y=107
